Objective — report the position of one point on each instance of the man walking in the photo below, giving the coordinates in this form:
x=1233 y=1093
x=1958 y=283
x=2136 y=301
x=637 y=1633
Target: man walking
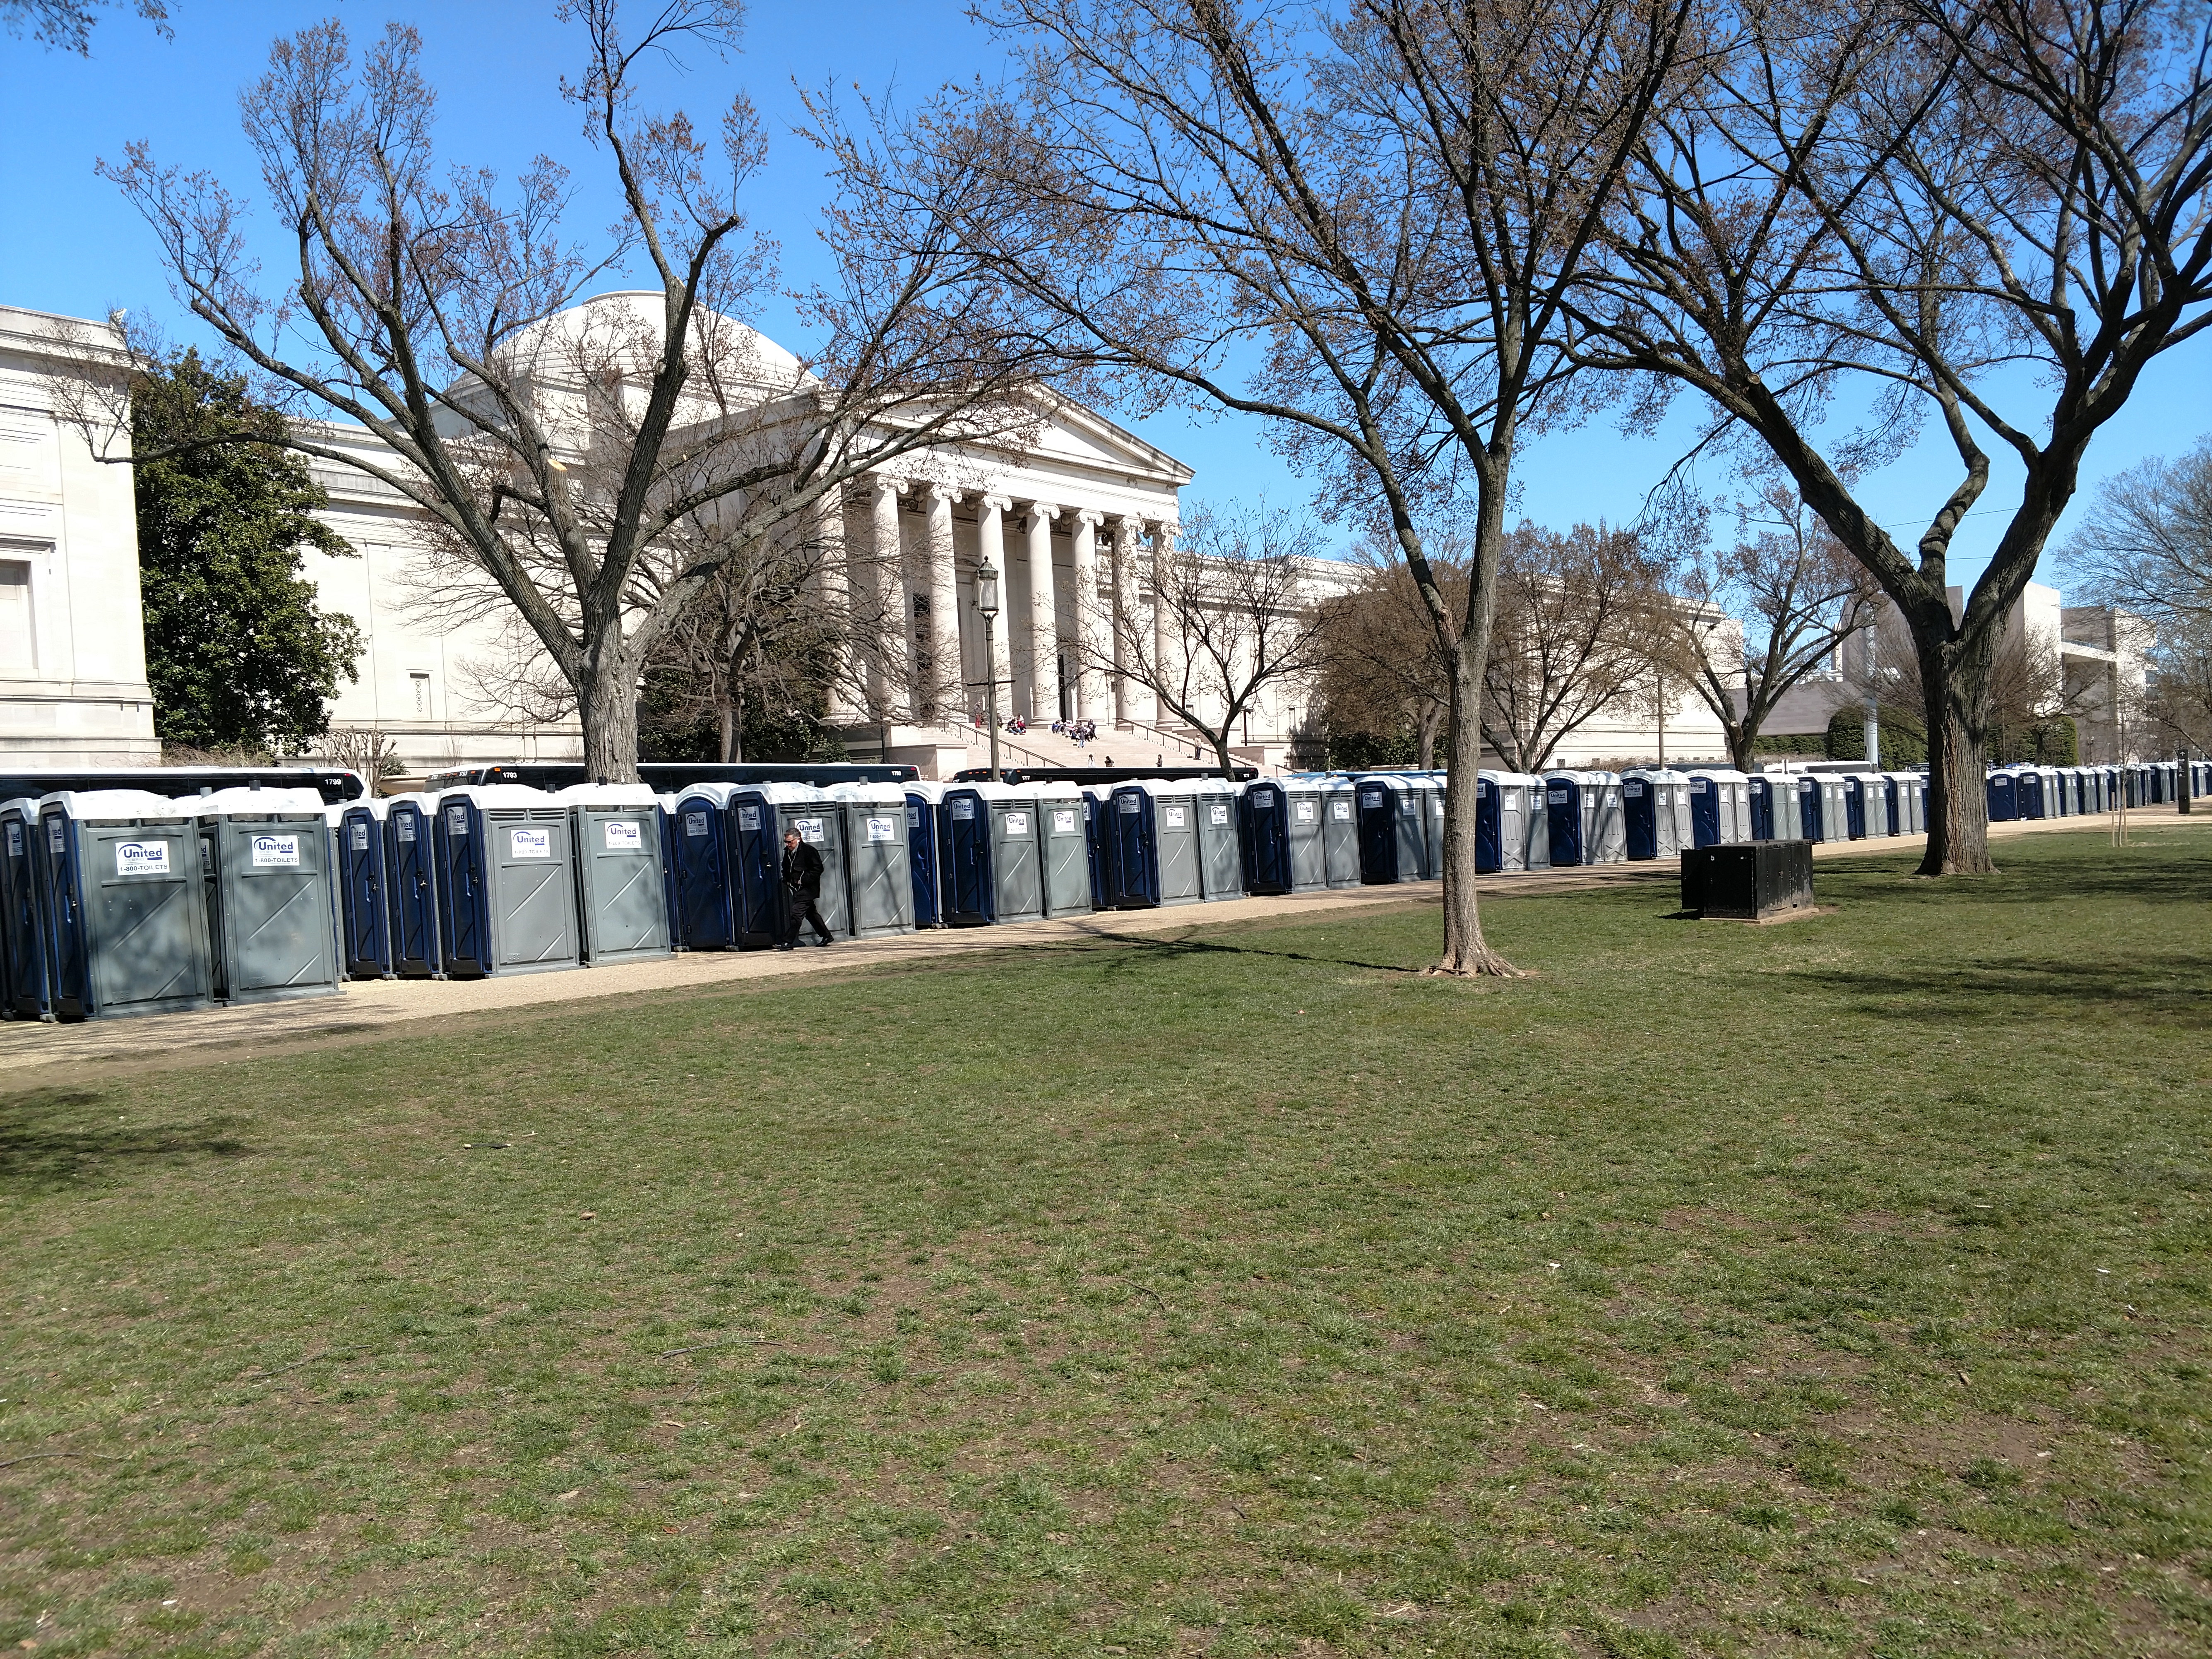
x=802 y=886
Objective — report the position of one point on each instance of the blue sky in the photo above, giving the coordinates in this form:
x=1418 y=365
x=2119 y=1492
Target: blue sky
x=71 y=246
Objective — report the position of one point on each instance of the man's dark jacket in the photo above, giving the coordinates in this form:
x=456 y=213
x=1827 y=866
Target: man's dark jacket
x=802 y=871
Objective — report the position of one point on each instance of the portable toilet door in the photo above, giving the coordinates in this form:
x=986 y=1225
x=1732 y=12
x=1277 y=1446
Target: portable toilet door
x=1220 y=855
x=411 y=863
x=23 y=917
x=1563 y=808
x=1728 y=792
x=1264 y=820
x=272 y=930
x=1387 y=854
x=1016 y=852
x=364 y=890
x=1501 y=828
x=1789 y=809
x=506 y=882
x=1340 y=832
x=1177 y=850
x=970 y=888
x=2004 y=797
x=1855 y=818
x=879 y=868
x=1708 y=811
x=923 y=834
x=671 y=907
x=1127 y=842
x=1608 y=835
x=2054 y=797
x=1303 y=806
x=118 y=872
x=2027 y=785
x=1640 y=814
x=1063 y=829
x=621 y=892
x=1098 y=818
x=1760 y=796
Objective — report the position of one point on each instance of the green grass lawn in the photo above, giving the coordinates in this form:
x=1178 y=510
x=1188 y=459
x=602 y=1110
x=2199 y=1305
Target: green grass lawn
x=1837 y=1287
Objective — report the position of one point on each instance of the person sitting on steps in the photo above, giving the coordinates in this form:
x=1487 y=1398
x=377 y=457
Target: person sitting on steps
x=802 y=888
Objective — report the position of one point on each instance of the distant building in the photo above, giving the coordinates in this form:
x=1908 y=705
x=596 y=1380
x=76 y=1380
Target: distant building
x=72 y=637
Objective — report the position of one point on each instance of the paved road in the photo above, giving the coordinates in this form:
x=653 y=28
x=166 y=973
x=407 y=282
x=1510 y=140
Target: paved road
x=27 y=1046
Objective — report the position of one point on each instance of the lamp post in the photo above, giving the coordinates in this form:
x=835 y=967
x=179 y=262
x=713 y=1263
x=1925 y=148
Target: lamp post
x=986 y=603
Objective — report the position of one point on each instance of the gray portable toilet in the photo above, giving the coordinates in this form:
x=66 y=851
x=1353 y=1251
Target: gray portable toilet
x=1301 y=808
x=1654 y=812
x=1788 y=805
x=1175 y=831
x=118 y=875
x=1340 y=832
x=1429 y=791
x=270 y=892
x=879 y=859
x=1604 y=831
x=1731 y=802
x=1220 y=854
x=621 y=878
x=1016 y=850
x=1065 y=837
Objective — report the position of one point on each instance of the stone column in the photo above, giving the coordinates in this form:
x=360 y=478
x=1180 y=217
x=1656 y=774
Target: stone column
x=1166 y=648
x=1041 y=629
x=991 y=544
x=890 y=623
x=947 y=689
x=1092 y=641
x=1128 y=660
x=825 y=536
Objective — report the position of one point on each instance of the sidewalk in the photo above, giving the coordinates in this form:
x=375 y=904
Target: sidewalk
x=370 y=1004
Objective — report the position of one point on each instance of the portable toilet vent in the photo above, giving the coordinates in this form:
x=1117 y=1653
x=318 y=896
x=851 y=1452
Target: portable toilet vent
x=506 y=882
x=119 y=888
x=622 y=890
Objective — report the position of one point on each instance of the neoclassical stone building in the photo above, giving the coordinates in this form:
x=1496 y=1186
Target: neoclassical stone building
x=72 y=639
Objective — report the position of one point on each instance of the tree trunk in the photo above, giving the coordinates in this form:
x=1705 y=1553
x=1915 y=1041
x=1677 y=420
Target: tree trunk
x=1222 y=755
x=732 y=731
x=1466 y=951
x=1956 y=677
x=607 y=701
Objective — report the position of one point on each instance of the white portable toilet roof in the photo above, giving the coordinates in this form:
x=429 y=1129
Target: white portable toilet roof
x=879 y=794
x=421 y=800
x=491 y=796
x=1720 y=774
x=27 y=805
x=222 y=802
x=87 y=805
x=995 y=791
x=1219 y=786
x=783 y=794
x=1158 y=787
x=719 y=793
x=607 y=794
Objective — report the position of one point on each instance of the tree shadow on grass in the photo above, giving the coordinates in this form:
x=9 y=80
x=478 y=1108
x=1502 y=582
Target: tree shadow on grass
x=51 y=1139
x=1151 y=945
x=2162 y=988
x=2039 y=878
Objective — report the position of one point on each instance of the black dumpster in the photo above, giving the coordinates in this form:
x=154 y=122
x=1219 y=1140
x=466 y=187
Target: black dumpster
x=1748 y=883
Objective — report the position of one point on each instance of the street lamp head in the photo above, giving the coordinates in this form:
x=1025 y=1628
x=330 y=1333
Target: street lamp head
x=987 y=588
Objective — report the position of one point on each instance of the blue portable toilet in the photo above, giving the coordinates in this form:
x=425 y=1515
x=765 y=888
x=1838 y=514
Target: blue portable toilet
x=364 y=888
x=1264 y=831
x=121 y=890
x=2004 y=797
x=411 y=883
x=971 y=884
x=664 y=809
x=699 y=825
x=1125 y=842
x=2028 y=792
x=23 y=941
x=1098 y=814
x=1155 y=848
x=924 y=835
x=1391 y=837
x=506 y=882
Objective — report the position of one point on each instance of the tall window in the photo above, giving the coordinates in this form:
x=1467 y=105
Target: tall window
x=19 y=653
x=422 y=682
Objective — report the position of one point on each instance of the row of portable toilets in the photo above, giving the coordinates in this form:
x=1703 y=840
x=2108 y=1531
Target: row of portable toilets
x=2059 y=792
x=118 y=901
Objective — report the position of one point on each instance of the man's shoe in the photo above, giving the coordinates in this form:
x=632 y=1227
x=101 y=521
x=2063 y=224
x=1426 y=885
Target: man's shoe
x=786 y=946
x=823 y=943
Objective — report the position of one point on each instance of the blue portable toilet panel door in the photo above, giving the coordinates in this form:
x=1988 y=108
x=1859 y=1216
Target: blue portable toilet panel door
x=706 y=916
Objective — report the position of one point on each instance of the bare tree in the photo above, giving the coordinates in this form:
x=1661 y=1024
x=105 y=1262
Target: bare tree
x=1358 y=223
x=1799 y=596
x=1381 y=666
x=2146 y=544
x=1907 y=203
x=1576 y=616
x=598 y=464
x=1231 y=617
x=68 y=23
